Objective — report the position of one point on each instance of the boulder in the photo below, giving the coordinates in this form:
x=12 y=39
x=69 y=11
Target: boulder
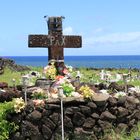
x=112 y=101
x=55 y=117
x=115 y=87
x=3 y=85
x=105 y=125
x=122 y=112
x=95 y=116
x=92 y=106
x=52 y=106
x=122 y=127
x=9 y=94
x=48 y=122
x=28 y=129
x=131 y=102
x=102 y=86
x=34 y=116
x=68 y=124
x=17 y=136
x=100 y=99
x=69 y=111
x=47 y=133
x=78 y=119
x=85 y=110
x=89 y=123
x=107 y=116
x=121 y=101
x=30 y=107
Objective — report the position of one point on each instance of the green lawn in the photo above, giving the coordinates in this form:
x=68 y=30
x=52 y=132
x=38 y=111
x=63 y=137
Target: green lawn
x=88 y=75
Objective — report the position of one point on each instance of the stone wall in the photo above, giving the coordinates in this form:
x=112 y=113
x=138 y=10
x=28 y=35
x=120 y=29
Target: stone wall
x=82 y=118
x=5 y=62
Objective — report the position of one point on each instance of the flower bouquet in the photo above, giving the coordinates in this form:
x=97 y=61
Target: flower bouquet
x=50 y=71
x=86 y=91
x=68 y=89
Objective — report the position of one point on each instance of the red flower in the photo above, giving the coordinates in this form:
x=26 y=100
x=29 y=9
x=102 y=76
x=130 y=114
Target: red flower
x=59 y=77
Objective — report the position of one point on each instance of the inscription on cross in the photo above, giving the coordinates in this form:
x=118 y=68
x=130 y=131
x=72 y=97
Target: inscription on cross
x=55 y=41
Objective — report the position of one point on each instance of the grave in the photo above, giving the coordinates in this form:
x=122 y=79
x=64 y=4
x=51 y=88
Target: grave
x=55 y=41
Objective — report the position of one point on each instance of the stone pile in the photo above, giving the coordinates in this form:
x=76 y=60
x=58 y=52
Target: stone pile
x=82 y=118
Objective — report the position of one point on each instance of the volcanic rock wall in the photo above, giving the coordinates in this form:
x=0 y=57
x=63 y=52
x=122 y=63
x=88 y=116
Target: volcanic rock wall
x=82 y=118
x=12 y=65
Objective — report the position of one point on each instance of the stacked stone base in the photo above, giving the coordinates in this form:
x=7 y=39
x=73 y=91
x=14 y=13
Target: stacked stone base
x=82 y=119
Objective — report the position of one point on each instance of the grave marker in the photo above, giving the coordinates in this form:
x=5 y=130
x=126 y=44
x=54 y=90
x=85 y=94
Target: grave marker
x=55 y=41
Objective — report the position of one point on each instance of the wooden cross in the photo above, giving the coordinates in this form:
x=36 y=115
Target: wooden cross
x=55 y=41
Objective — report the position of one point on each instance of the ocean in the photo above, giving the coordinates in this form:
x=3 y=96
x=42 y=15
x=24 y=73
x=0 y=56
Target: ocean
x=122 y=61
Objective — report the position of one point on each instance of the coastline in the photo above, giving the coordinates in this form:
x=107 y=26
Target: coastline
x=119 y=61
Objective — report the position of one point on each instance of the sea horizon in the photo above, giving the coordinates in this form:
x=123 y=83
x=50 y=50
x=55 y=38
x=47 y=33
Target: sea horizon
x=68 y=55
x=94 y=61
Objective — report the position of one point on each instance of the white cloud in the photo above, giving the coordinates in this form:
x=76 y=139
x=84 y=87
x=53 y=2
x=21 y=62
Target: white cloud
x=114 y=38
x=98 y=30
x=68 y=30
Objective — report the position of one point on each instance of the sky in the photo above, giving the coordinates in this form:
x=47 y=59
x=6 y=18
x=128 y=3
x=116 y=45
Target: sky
x=107 y=27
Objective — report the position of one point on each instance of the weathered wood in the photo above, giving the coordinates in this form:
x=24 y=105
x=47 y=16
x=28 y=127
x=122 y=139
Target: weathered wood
x=46 y=41
x=55 y=41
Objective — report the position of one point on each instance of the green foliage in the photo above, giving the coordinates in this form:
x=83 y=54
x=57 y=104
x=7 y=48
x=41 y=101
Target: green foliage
x=39 y=95
x=89 y=75
x=39 y=69
x=112 y=135
x=6 y=127
x=135 y=82
x=67 y=88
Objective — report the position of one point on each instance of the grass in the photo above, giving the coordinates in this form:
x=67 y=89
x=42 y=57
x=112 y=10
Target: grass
x=135 y=133
x=88 y=75
x=92 y=76
x=9 y=75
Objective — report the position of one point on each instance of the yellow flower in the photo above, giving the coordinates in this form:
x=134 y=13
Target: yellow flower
x=50 y=71
x=86 y=91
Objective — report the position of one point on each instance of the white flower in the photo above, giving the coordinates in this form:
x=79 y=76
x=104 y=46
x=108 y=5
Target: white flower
x=38 y=90
x=103 y=91
x=119 y=94
x=135 y=89
x=19 y=104
x=76 y=94
x=70 y=68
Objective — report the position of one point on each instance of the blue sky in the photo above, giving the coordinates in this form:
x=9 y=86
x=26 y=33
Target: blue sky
x=107 y=27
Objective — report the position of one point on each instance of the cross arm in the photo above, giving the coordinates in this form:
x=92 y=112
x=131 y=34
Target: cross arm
x=35 y=41
x=45 y=41
x=73 y=41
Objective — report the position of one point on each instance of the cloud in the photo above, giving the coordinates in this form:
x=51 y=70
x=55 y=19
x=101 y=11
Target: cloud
x=114 y=38
x=68 y=30
x=98 y=30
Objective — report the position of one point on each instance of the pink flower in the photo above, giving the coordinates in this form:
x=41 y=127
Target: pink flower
x=65 y=71
x=39 y=102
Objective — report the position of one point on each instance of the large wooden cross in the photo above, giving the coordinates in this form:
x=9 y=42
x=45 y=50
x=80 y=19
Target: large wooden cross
x=55 y=41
